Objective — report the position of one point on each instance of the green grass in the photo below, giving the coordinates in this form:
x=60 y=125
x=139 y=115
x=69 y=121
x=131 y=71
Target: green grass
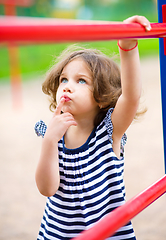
x=36 y=59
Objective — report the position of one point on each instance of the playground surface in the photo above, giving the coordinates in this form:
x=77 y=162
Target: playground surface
x=21 y=205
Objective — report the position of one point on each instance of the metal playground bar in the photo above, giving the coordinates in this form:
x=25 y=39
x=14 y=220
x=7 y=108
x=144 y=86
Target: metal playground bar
x=34 y=30
x=121 y=215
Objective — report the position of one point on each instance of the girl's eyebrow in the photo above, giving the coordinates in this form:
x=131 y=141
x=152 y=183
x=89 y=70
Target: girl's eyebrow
x=83 y=75
x=78 y=75
x=62 y=74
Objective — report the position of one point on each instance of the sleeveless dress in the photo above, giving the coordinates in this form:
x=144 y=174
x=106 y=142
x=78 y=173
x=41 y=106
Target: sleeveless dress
x=91 y=186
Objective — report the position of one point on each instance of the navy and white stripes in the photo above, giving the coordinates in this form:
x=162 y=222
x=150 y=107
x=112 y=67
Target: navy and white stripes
x=91 y=186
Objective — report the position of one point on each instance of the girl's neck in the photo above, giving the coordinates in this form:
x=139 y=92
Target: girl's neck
x=76 y=136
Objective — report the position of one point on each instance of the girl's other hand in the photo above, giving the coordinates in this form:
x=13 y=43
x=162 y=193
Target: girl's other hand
x=131 y=43
x=141 y=20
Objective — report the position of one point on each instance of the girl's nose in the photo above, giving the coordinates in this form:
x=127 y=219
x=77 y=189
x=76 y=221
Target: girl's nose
x=67 y=88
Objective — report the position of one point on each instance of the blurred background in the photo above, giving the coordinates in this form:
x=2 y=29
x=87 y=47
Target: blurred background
x=21 y=205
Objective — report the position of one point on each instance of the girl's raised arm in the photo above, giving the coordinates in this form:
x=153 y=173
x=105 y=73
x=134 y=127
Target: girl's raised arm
x=128 y=102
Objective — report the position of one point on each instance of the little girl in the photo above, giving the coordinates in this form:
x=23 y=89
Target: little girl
x=81 y=164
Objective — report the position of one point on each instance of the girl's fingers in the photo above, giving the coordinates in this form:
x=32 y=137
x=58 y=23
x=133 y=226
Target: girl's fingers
x=144 y=22
x=70 y=123
x=147 y=26
x=141 y=20
x=69 y=119
x=59 y=107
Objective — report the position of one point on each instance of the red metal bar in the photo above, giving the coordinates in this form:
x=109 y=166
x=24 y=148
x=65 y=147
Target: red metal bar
x=120 y=216
x=52 y=30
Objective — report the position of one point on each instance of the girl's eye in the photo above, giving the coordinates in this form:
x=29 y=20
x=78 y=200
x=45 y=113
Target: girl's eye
x=82 y=81
x=64 y=80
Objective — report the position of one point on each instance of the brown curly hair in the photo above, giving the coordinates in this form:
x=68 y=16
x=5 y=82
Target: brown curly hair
x=105 y=74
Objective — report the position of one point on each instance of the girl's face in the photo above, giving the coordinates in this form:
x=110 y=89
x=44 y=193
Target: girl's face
x=75 y=85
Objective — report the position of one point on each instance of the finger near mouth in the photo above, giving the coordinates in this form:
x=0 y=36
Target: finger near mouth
x=67 y=99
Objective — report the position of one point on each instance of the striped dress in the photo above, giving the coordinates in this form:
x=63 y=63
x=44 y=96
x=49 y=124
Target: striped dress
x=91 y=186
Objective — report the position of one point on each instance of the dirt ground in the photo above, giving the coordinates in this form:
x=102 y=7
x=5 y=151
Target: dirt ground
x=21 y=205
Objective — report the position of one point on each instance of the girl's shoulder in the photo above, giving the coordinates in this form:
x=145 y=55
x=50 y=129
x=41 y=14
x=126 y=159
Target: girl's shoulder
x=107 y=123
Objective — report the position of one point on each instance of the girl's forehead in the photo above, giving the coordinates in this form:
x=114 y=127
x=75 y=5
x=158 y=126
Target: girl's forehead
x=76 y=64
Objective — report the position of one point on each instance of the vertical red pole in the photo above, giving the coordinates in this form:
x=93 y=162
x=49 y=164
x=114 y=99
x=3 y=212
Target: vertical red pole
x=10 y=10
x=15 y=74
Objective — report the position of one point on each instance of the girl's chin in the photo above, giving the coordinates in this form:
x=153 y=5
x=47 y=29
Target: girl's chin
x=66 y=109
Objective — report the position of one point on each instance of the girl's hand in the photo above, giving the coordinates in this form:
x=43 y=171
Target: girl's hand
x=141 y=20
x=130 y=43
x=59 y=123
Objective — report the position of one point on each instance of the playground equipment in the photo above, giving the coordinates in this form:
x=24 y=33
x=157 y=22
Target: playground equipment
x=162 y=49
x=37 y=30
x=10 y=5
x=15 y=75
x=26 y=30
x=121 y=215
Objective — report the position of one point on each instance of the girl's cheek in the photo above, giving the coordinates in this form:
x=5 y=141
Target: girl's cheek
x=58 y=96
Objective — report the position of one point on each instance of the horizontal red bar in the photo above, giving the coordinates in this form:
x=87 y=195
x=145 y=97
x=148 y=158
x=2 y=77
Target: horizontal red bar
x=19 y=29
x=120 y=216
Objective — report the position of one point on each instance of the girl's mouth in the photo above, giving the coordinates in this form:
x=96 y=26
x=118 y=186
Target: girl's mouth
x=67 y=99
